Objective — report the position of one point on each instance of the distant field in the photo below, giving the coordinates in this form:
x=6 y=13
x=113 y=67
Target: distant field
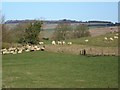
x=94 y=31
x=46 y=70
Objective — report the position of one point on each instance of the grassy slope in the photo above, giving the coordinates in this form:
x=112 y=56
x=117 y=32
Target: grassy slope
x=46 y=69
x=97 y=41
x=93 y=41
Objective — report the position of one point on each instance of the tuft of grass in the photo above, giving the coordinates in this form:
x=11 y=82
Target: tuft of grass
x=57 y=70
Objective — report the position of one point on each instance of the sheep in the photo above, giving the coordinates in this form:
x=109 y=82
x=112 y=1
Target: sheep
x=20 y=51
x=53 y=43
x=32 y=48
x=4 y=51
x=28 y=46
x=69 y=43
x=86 y=40
x=105 y=38
x=111 y=39
x=59 y=42
x=115 y=37
x=43 y=48
x=35 y=47
x=11 y=51
x=38 y=49
x=41 y=43
x=14 y=52
x=27 y=50
x=63 y=43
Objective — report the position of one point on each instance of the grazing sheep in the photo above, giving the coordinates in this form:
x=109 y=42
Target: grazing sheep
x=69 y=43
x=27 y=50
x=43 y=48
x=32 y=48
x=41 y=43
x=14 y=53
x=53 y=43
x=35 y=47
x=59 y=42
x=63 y=43
x=86 y=40
x=38 y=49
x=20 y=51
x=4 y=51
x=105 y=38
x=115 y=37
x=111 y=39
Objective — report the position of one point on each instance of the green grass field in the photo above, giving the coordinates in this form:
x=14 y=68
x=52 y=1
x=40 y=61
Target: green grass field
x=97 y=41
x=57 y=70
x=93 y=41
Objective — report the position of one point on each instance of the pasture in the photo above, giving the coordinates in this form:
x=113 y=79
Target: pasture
x=59 y=70
x=97 y=41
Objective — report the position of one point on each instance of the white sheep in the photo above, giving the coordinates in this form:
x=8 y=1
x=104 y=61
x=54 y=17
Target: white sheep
x=59 y=42
x=42 y=48
x=105 y=38
x=86 y=40
x=115 y=37
x=14 y=53
x=111 y=39
x=38 y=48
x=41 y=43
x=27 y=50
x=63 y=43
x=53 y=43
x=20 y=51
x=69 y=43
x=4 y=51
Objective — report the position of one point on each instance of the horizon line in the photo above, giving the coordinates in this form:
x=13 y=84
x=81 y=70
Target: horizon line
x=63 y=19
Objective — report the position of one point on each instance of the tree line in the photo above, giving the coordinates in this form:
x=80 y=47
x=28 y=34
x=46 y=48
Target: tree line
x=28 y=33
x=65 y=31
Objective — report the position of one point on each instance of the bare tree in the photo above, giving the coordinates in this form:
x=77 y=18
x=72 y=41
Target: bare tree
x=62 y=30
x=81 y=30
